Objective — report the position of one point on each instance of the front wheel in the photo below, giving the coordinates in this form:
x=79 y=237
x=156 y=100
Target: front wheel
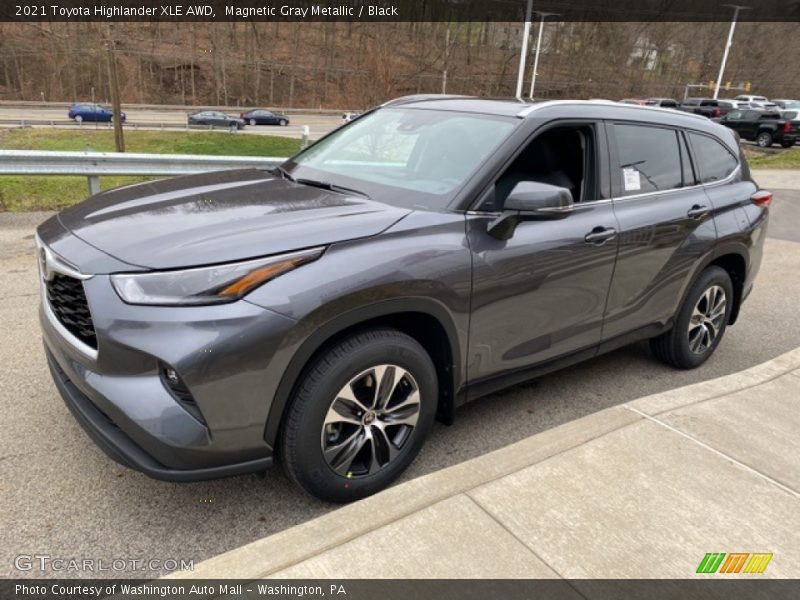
x=700 y=322
x=252 y=122
x=764 y=139
x=283 y=122
x=359 y=415
x=78 y=119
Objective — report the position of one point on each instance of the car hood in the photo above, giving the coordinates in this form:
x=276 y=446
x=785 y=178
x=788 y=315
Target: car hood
x=219 y=217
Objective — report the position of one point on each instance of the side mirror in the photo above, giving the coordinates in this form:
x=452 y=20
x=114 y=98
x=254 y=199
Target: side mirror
x=531 y=201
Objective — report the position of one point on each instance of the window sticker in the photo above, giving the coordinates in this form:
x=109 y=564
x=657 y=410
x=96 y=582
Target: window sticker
x=631 y=179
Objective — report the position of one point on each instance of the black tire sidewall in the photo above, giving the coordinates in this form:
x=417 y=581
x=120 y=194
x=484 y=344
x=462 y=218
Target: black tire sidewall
x=709 y=277
x=304 y=452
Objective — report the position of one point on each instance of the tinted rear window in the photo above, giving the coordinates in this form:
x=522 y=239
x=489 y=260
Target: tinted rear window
x=649 y=159
x=713 y=159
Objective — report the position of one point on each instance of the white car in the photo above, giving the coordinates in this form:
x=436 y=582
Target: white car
x=349 y=116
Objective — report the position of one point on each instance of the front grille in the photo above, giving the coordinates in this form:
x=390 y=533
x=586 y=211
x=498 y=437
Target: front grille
x=68 y=302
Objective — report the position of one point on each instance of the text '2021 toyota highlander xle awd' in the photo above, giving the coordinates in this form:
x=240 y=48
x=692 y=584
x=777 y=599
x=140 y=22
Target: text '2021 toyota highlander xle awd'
x=431 y=251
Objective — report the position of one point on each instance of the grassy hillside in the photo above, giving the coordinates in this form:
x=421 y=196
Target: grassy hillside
x=52 y=193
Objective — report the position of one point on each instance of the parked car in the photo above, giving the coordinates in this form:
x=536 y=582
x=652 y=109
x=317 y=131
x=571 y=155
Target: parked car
x=349 y=116
x=707 y=107
x=215 y=119
x=662 y=102
x=787 y=104
x=726 y=105
x=428 y=253
x=262 y=116
x=751 y=98
x=762 y=127
x=92 y=112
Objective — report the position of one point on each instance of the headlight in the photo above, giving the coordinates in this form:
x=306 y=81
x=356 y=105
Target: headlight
x=207 y=285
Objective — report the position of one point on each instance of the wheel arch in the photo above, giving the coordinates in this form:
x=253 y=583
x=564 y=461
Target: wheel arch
x=735 y=264
x=425 y=320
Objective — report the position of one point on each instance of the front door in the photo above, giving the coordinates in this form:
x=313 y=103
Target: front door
x=541 y=294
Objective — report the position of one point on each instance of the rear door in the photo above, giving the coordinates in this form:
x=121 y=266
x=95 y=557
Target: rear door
x=665 y=223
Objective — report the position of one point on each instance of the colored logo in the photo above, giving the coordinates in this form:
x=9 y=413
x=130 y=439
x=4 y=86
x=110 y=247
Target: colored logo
x=734 y=562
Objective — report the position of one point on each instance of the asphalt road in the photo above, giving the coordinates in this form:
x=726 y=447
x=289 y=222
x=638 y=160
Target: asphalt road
x=319 y=124
x=61 y=496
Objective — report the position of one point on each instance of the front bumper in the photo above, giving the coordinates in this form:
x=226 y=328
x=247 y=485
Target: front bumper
x=120 y=448
x=228 y=356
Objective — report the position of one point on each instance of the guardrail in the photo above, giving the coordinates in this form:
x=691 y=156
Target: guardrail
x=93 y=165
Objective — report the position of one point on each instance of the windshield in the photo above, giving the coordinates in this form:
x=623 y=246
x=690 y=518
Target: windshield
x=394 y=151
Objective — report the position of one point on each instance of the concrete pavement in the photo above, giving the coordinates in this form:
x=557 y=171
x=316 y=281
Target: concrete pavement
x=640 y=490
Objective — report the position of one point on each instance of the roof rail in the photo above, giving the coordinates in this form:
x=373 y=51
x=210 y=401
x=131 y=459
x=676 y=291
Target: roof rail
x=534 y=107
x=422 y=98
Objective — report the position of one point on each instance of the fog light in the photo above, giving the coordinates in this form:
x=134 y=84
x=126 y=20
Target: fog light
x=180 y=391
x=172 y=376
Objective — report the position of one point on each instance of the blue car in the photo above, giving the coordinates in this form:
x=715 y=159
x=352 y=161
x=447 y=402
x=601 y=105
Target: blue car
x=92 y=112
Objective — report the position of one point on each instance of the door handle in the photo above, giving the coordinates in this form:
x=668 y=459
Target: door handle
x=697 y=211
x=599 y=235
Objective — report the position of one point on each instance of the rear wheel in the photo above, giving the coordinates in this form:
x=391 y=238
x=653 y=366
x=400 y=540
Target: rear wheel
x=359 y=415
x=700 y=322
x=284 y=122
x=764 y=139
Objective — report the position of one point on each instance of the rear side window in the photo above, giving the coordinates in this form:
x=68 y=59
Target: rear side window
x=714 y=161
x=649 y=159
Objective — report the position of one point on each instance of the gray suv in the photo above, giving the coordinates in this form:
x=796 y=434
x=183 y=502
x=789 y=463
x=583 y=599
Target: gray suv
x=430 y=252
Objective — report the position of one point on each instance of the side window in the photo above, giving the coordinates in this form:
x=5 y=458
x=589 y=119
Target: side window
x=563 y=156
x=735 y=115
x=649 y=159
x=714 y=160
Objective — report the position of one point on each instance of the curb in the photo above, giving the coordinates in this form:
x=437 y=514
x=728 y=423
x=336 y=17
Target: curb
x=279 y=551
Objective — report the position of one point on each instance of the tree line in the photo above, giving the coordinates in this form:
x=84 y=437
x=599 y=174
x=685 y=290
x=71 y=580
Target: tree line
x=352 y=65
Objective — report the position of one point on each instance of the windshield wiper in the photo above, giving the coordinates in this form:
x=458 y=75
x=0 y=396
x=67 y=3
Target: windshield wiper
x=279 y=170
x=327 y=185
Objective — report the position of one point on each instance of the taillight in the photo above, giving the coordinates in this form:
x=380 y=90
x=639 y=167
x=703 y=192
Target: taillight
x=762 y=198
x=787 y=127
x=717 y=112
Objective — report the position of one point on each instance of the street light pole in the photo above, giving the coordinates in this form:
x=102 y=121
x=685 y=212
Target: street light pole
x=543 y=16
x=736 y=8
x=525 y=34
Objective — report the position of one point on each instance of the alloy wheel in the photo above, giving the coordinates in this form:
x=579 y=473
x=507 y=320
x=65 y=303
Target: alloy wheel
x=370 y=421
x=706 y=320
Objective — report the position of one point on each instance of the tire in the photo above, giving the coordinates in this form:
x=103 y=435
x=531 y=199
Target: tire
x=764 y=139
x=787 y=143
x=78 y=119
x=283 y=123
x=335 y=459
x=688 y=347
x=253 y=122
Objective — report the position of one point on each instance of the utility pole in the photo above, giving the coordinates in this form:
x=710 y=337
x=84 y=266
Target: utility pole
x=736 y=8
x=543 y=16
x=446 y=59
x=523 y=54
x=113 y=82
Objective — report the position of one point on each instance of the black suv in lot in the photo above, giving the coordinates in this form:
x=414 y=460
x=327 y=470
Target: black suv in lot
x=426 y=254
